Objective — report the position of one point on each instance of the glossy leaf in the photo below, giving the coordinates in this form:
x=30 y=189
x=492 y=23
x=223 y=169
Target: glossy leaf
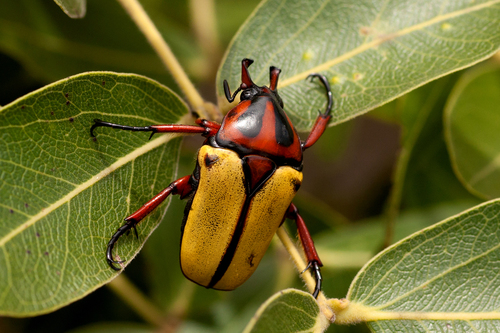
x=442 y=278
x=64 y=194
x=472 y=122
x=290 y=310
x=73 y=8
x=371 y=51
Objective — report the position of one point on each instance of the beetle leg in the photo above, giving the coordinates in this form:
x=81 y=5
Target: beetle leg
x=206 y=128
x=314 y=263
x=181 y=186
x=323 y=118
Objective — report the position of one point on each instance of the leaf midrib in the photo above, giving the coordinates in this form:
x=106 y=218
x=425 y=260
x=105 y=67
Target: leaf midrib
x=80 y=188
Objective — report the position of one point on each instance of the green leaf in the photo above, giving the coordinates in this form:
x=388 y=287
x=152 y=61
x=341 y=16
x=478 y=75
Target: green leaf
x=290 y=310
x=371 y=51
x=73 y=8
x=472 y=120
x=64 y=194
x=442 y=278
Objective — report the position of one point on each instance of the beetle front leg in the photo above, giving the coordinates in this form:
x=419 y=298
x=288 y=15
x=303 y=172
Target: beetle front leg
x=206 y=128
x=314 y=263
x=323 y=118
x=181 y=186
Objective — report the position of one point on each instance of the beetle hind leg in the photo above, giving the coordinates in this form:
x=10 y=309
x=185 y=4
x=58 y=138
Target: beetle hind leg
x=314 y=263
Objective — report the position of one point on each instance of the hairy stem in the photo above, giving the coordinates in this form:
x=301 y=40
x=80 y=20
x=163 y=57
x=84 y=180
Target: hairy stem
x=144 y=23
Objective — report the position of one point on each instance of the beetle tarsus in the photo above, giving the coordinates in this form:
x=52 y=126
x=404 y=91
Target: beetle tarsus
x=100 y=123
x=325 y=83
x=314 y=266
x=122 y=230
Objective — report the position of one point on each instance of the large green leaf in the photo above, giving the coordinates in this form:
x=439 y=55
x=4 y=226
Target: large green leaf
x=472 y=123
x=290 y=310
x=63 y=194
x=442 y=278
x=372 y=51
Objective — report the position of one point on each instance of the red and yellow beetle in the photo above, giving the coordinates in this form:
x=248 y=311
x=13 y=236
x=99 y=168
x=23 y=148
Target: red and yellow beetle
x=247 y=173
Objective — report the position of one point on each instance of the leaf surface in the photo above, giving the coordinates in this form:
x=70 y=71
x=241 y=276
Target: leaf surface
x=290 y=310
x=371 y=51
x=442 y=278
x=63 y=194
x=472 y=122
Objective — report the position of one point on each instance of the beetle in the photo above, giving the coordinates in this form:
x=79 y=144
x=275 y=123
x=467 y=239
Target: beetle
x=247 y=172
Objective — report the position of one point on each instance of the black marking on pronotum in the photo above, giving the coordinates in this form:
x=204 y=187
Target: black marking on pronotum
x=250 y=122
x=284 y=132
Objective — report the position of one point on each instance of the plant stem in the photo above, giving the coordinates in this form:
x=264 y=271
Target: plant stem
x=144 y=23
x=129 y=293
x=204 y=25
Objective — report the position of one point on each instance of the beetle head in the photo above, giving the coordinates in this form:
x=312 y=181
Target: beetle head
x=249 y=89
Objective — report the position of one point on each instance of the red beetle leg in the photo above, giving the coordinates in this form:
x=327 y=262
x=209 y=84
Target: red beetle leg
x=180 y=186
x=323 y=118
x=169 y=128
x=211 y=128
x=314 y=263
x=317 y=130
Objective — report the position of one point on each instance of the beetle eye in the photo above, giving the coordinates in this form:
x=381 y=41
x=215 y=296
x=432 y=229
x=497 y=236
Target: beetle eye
x=246 y=94
x=249 y=93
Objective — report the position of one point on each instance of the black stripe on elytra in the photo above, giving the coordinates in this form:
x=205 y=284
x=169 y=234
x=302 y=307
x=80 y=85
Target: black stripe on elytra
x=238 y=231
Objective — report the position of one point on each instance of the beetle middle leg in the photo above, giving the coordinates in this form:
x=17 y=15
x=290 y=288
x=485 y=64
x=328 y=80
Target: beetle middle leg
x=181 y=186
x=314 y=263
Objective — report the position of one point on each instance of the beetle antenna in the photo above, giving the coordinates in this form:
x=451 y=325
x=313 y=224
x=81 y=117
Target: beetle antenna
x=227 y=92
x=274 y=73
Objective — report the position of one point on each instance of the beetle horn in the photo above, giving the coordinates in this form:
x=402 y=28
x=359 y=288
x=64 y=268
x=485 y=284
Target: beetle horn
x=274 y=73
x=246 y=81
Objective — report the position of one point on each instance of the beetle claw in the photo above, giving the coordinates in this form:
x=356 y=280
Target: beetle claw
x=124 y=229
x=313 y=265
